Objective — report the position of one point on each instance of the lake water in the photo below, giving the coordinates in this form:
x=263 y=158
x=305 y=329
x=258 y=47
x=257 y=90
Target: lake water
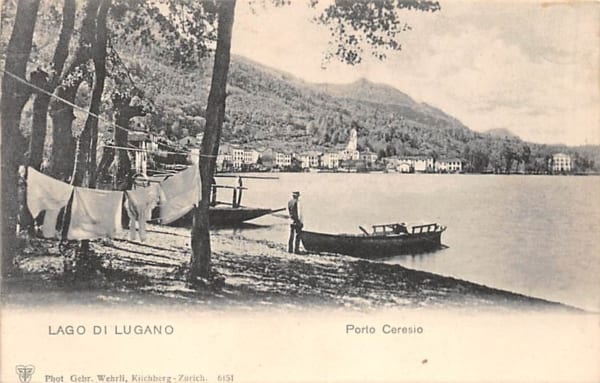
x=536 y=235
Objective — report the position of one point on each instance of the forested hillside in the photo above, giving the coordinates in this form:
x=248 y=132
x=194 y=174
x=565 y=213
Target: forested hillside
x=270 y=108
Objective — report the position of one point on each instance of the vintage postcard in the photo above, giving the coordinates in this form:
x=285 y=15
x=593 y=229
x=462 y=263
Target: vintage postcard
x=299 y=191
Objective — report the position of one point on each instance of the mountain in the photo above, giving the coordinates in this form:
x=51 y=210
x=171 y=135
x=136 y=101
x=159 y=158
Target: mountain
x=365 y=90
x=269 y=108
x=304 y=114
x=501 y=132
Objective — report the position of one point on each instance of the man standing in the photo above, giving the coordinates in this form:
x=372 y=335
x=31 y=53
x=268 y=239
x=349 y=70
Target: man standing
x=296 y=223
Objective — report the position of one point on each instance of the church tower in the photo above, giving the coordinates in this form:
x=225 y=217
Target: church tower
x=353 y=142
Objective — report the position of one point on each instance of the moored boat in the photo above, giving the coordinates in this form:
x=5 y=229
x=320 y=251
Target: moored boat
x=385 y=241
x=221 y=213
x=226 y=216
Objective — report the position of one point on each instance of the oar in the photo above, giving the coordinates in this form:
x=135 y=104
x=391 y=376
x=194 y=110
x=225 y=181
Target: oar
x=284 y=216
x=364 y=230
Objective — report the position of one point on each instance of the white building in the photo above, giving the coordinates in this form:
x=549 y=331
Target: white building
x=224 y=156
x=560 y=162
x=368 y=157
x=237 y=155
x=330 y=160
x=283 y=159
x=404 y=167
x=251 y=156
x=417 y=164
x=347 y=155
x=449 y=165
x=351 y=152
x=311 y=159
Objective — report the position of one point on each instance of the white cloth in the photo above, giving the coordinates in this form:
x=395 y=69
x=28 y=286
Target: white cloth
x=140 y=203
x=95 y=213
x=49 y=225
x=182 y=193
x=45 y=193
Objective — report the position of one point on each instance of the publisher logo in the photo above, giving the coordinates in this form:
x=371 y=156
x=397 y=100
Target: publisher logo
x=25 y=373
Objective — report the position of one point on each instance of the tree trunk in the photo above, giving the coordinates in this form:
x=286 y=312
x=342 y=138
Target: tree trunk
x=200 y=265
x=99 y=57
x=116 y=161
x=89 y=136
x=63 y=143
x=14 y=97
x=42 y=101
x=87 y=263
x=121 y=162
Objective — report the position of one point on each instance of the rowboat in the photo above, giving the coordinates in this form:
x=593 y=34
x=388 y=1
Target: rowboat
x=385 y=241
x=226 y=216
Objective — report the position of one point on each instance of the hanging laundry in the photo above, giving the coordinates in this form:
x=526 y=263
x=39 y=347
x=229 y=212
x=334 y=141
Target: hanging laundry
x=140 y=203
x=95 y=213
x=45 y=193
x=49 y=229
x=182 y=192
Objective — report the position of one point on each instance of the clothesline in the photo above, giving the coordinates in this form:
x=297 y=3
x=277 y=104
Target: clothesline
x=23 y=81
x=159 y=151
x=87 y=213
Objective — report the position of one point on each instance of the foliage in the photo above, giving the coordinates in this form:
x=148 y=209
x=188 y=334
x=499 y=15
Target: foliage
x=374 y=25
x=181 y=31
x=271 y=109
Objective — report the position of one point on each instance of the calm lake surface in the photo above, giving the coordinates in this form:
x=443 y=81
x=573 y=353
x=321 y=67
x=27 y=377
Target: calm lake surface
x=535 y=235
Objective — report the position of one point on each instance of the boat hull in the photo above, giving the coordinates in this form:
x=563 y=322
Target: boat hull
x=224 y=216
x=221 y=216
x=371 y=247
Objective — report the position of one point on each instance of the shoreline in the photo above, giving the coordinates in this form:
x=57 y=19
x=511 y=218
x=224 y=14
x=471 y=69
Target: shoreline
x=257 y=274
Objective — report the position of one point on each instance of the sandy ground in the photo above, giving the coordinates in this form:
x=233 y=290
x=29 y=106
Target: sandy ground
x=256 y=273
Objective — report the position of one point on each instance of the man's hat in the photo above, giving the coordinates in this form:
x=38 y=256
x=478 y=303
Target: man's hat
x=297 y=193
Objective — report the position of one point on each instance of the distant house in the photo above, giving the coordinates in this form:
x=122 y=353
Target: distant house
x=251 y=156
x=349 y=155
x=369 y=158
x=417 y=164
x=189 y=141
x=330 y=160
x=224 y=157
x=448 y=165
x=155 y=151
x=311 y=159
x=404 y=167
x=560 y=163
x=237 y=155
x=145 y=143
x=283 y=160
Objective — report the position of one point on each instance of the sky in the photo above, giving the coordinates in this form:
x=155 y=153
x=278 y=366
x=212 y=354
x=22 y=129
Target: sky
x=529 y=67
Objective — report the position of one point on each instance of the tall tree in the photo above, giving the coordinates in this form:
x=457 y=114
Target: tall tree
x=124 y=112
x=525 y=155
x=61 y=158
x=215 y=113
x=49 y=82
x=85 y=162
x=14 y=96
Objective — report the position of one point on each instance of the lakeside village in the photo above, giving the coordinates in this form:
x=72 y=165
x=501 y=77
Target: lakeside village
x=235 y=158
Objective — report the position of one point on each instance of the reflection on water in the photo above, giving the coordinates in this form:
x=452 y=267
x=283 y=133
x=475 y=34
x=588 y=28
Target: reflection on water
x=531 y=234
